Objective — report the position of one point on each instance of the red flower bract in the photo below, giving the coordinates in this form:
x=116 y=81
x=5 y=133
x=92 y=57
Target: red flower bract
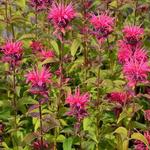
x=36 y=46
x=103 y=25
x=78 y=103
x=37 y=145
x=61 y=15
x=136 y=71
x=118 y=97
x=133 y=34
x=38 y=80
x=147 y=115
x=46 y=54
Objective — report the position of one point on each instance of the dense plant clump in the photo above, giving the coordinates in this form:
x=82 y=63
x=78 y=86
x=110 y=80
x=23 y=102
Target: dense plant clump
x=75 y=75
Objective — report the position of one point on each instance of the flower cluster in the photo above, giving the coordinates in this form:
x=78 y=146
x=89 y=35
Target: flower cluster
x=132 y=56
x=103 y=25
x=140 y=145
x=40 y=5
x=132 y=34
x=43 y=55
x=78 y=103
x=39 y=80
x=36 y=46
x=12 y=52
x=61 y=15
x=40 y=51
x=119 y=99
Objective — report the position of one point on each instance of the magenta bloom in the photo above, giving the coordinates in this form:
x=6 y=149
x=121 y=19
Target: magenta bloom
x=12 y=48
x=36 y=46
x=39 y=80
x=40 y=5
x=140 y=145
x=126 y=53
x=61 y=15
x=103 y=25
x=78 y=103
x=147 y=115
x=120 y=98
x=46 y=54
x=133 y=34
x=12 y=52
x=136 y=71
x=140 y=54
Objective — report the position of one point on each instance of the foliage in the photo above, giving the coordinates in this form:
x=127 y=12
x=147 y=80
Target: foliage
x=89 y=94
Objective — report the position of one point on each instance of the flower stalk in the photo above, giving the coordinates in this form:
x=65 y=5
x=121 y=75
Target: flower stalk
x=41 y=125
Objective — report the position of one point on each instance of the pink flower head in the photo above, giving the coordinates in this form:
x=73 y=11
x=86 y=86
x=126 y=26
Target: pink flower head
x=103 y=25
x=12 y=48
x=140 y=54
x=136 y=71
x=36 y=46
x=61 y=15
x=126 y=52
x=78 y=99
x=38 y=80
x=140 y=145
x=118 y=97
x=46 y=54
x=147 y=115
x=133 y=34
x=78 y=103
x=12 y=52
x=40 y=5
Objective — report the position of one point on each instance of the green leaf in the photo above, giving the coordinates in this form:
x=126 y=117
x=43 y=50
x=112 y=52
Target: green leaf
x=27 y=100
x=48 y=60
x=67 y=145
x=55 y=46
x=28 y=138
x=74 y=47
x=122 y=131
x=18 y=88
x=21 y=3
x=139 y=136
x=60 y=138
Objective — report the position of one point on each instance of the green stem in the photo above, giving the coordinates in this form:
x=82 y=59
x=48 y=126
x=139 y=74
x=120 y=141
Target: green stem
x=135 y=13
x=85 y=37
x=14 y=96
x=61 y=74
x=41 y=126
x=36 y=25
x=98 y=102
x=12 y=25
x=6 y=17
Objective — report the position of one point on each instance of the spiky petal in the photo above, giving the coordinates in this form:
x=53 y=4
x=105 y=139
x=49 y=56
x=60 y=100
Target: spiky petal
x=133 y=34
x=61 y=15
x=136 y=71
x=38 y=80
x=103 y=25
x=78 y=103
